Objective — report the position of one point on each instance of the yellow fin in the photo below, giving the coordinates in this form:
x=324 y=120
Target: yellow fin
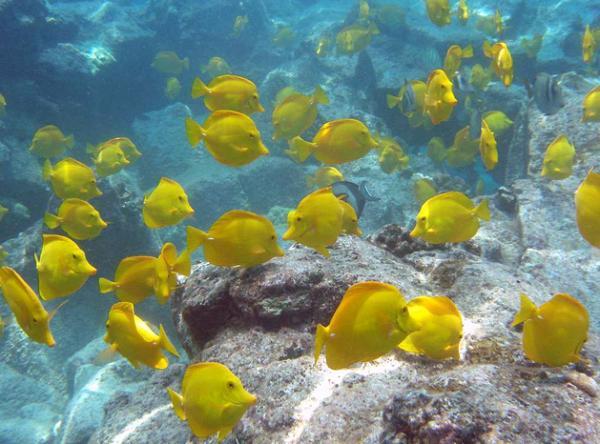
x=393 y=101
x=194 y=132
x=165 y=342
x=52 y=221
x=106 y=286
x=483 y=210
x=320 y=96
x=300 y=149
x=321 y=337
x=177 y=401
x=199 y=89
x=528 y=310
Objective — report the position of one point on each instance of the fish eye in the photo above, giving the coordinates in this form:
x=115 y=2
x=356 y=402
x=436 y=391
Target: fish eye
x=298 y=218
x=74 y=256
x=93 y=181
x=107 y=324
x=273 y=237
x=35 y=320
x=251 y=135
x=422 y=218
x=230 y=385
x=181 y=199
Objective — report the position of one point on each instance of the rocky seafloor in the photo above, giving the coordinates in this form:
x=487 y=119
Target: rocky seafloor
x=260 y=322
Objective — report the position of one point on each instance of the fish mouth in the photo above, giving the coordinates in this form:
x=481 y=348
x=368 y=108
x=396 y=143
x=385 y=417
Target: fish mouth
x=415 y=233
x=288 y=234
x=279 y=252
x=260 y=108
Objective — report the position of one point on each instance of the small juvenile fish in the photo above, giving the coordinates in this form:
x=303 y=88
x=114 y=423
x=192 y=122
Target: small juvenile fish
x=166 y=205
x=296 y=113
x=354 y=38
x=216 y=66
x=168 y=62
x=462 y=11
x=324 y=177
x=502 y=61
x=480 y=77
x=239 y=24
x=228 y=92
x=436 y=150
x=49 y=141
x=587 y=204
x=364 y=327
x=70 y=178
x=438 y=12
x=464 y=149
x=487 y=147
x=109 y=159
x=133 y=338
x=454 y=57
x=498 y=122
x=439 y=97
x=62 y=267
x=391 y=155
x=449 y=217
x=172 y=88
x=558 y=160
x=589 y=44
x=124 y=143
x=284 y=36
x=554 y=332
x=79 y=219
x=212 y=400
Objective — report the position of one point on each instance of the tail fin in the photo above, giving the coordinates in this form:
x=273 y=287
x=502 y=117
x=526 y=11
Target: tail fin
x=487 y=49
x=177 y=401
x=69 y=142
x=467 y=51
x=52 y=221
x=320 y=340
x=165 y=342
x=107 y=286
x=186 y=63
x=320 y=96
x=483 y=210
x=199 y=88
x=528 y=310
x=90 y=149
x=393 y=101
x=300 y=149
x=195 y=239
x=47 y=170
x=194 y=132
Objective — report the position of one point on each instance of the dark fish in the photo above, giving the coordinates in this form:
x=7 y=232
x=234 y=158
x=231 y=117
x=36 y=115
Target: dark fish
x=355 y=195
x=546 y=93
x=409 y=102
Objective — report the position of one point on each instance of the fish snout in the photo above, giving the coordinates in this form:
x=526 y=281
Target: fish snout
x=288 y=234
x=450 y=98
x=263 y=150
x=279 y=252
x=90 y=270
x=260 y=108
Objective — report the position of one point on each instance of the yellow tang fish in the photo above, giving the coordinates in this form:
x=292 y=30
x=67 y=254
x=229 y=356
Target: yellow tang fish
x=3 y=212
x=228 y=92
x=3 y=255
x=354 y=38
x=109 y=159
x=324 y=177
x=591 y=106
x=449 y=217
x=212 y=400
x=454 y=56
x=284 y=36
x=554 y=332
x=49 y=141
x=124 y=143
x=166 y=205
x=487 y=147
x=438 y=11
x=338 y=141
x=172 y=88
x=532 y=46
x=364 y=327
x=133 y=338
x=462 y=11
x=168 y=62
x=296 y=113
x=239 y=238
x=2 y=106
x=26 y=306
x=498 y=122
x=232 y=138
x=480 y=77
x=79 y=219
x=71 y=179
x=436 y=150
x=435 y=325
x=587 y=204
x=589 y=44
x=439 y=97
x=558 y=160
x=411 y=102
x=216 y=66
x=424 y=189
x=464 y=149
x=502 y=61
x=239 y=24
x=62 y=267
x=498 y=22
x=349 y=220
x=391 y=155
x=363 y=9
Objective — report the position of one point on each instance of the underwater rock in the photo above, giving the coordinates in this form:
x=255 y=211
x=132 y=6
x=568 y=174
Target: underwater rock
x=397 y=241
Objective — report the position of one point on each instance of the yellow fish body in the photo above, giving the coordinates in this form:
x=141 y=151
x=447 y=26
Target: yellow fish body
x=109 y=159
x=324 y=177
x=462 y=11
x=587 y=204
x=463 y=150
x=449 y=217
x=589 y=44
x=354 y=38
x=317 y=221
x=172 y=88
x=296 y=113
x=439 y=97
x=349 y=220
x=124 y=143
x=558 y=160
x=498 y=122
x=436 y=150
x=228 y=92
x=438 y=12
x=554 y=332
x=49 y=141
x=133 y=338
x=454 y=56
x=338 y=141
x=166 y=205
x=135 y=279
x=480 y=77
x=284 y=36
x=2 y=106
x=416 y=115
x=424 y=189
x=532 y=46
x=62 y=267
x=79 y=219
x=168 y=62
x=435 y=325
x=487 y=147
x=216 y=66
x=391 y=155
x=591 y=106
x=70 y=178
x=231 y=137
x=26 y=306
x=239 y=24
x=212 y=400
x=240 y=238
x=502 y=62
x=364 y=327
